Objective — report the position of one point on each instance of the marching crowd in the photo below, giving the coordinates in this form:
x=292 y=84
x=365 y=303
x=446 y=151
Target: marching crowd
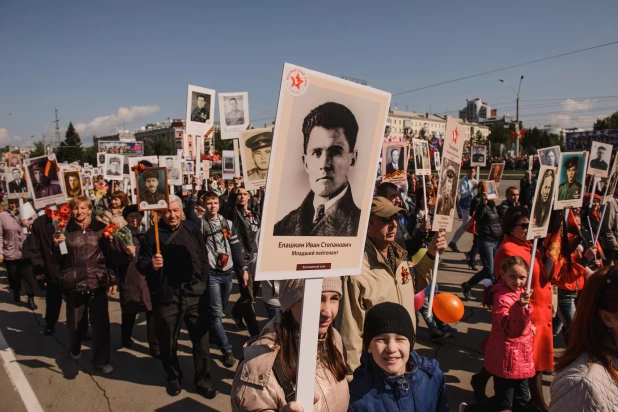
x=366 y=361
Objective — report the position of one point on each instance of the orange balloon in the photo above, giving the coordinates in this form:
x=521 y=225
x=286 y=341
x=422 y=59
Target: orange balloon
x=448 y=307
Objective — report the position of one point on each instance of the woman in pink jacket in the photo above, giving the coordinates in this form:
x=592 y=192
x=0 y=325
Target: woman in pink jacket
x=508 y=355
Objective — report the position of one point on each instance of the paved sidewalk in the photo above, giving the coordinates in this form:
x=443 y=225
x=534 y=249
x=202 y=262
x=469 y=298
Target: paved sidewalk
x=62 y=384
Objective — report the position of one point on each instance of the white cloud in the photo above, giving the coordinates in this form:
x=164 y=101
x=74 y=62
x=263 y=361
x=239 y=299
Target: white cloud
x=7 y=139
x=103 y=125
x=573 y=114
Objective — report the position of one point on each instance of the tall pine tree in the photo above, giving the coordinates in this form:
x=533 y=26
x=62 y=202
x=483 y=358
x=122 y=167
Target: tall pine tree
x=70 y=149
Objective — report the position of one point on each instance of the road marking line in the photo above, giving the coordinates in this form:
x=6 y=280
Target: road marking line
x=17 y=377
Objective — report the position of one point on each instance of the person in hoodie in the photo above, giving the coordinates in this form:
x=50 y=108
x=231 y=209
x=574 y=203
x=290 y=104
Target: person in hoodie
x=392 y=376
x=509 y=352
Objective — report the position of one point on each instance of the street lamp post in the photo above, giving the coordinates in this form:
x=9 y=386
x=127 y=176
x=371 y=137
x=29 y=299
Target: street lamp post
x=516 y=114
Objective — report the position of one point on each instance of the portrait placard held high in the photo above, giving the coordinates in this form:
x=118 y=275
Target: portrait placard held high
x=322 y=171
x=395 y=162
x=152 y=189
x=200 y=111
x=479 y=156
x=233 y=114
x=43 y=181
x=600 y=158
x=542 y=203
x=255 y=149
x=16 y=182
x=571 y=175
x=173 y=164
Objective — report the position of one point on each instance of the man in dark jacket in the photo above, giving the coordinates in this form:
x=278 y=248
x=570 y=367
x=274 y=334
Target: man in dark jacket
x=330 y=131
x=45 y=261
x=177 y=278
x=512 y=199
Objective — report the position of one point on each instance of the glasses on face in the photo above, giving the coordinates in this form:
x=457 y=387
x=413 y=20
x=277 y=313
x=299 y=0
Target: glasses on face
x=388 y=220
x=523 y=226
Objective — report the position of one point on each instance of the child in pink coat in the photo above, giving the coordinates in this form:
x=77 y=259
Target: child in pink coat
x=508 y=356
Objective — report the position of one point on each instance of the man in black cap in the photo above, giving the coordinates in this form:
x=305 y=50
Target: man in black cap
x=43 y=186
x=330 y=131
x=153 y=194
x=570 y=189
x=599 y=163
x=260 y=146
x=114 y=166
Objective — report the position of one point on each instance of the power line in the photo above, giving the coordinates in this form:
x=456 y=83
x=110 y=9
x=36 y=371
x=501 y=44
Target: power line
x=507 y=67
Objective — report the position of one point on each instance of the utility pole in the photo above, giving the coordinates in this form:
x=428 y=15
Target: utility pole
x=57 y=130
x=516 y=114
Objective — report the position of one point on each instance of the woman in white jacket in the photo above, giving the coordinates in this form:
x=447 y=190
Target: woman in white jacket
x=587 y=371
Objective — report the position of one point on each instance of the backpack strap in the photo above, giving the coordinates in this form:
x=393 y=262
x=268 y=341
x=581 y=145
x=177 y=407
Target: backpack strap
x=286 y=385
x=174 y=234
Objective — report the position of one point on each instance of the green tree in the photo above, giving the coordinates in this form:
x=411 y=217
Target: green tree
x=499 y=135
x=90 y=155
x=70 y=149
x=422 y=133
x=39 y=149
x=158 y=147
x=609 y=122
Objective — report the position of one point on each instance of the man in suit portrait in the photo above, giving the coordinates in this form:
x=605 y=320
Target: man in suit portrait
x=393 y=165
x=599 y=163
x=152 y=195
x=173 y=173
x=18 y=185
x=329 y=156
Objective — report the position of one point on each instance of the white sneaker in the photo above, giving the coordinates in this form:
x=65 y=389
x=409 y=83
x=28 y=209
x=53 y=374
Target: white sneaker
x=462 y=407
x=106 y=368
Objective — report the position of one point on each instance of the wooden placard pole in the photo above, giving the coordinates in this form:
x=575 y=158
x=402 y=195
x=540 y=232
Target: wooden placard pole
x=308 y=350
x=478 y=173
x=425 y=199
x=155 y=217
x=596 y=238
x=434 y=280
x=531 y=268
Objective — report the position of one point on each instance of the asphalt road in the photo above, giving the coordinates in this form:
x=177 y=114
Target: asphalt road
x=60 y=383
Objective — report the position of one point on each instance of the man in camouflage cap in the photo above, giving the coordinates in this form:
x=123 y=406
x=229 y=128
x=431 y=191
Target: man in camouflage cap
x=260 y=146
x=152 y=195
x=570 y=189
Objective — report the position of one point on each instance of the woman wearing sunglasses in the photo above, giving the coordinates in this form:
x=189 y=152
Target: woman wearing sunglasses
x=587 y=371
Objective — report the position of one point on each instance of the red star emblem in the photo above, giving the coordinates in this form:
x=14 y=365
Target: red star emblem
x=455 y=135
x=297 y=81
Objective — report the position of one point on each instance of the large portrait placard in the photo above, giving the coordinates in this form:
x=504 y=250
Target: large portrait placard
x=200 y=111
x=600 y=159
x=114 y=167
x=152 y=189
x=173 y=164
x=255 y=150
x=571 y=175
x=542 y=203
x=324 y=158
x=147 y=161
x=395 y=162
x=449 y=176
x=44 y=182
x=233 y=114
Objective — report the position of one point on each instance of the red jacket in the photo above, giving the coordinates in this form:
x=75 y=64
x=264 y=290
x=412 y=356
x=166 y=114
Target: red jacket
x=540 y=300
x=574 y=280
x=509 y=351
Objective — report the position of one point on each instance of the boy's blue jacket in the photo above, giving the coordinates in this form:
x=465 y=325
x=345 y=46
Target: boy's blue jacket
x=372 y=390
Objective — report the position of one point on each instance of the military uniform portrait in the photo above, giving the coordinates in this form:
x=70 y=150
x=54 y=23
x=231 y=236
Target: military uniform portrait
x=43 y=181
x=479 y=156
x=15 y=182
x=256 y=146
x=173 y=164
x=14 y=159
x=72 y=183
x=323 y=164
x=200 y=111
x=449 y=178
x=571 y=172
x=600 y=158
x=233 y=114
x=113 y=166
x=152 y=189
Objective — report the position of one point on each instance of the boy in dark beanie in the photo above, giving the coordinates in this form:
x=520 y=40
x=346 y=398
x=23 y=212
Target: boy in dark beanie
x=392 y=376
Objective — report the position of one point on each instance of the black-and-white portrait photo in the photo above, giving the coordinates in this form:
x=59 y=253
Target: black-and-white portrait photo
x=256 y=146
x=200 y=107
x=152 y=190
x=86 y=178
x=330 y=132
x=233 y=110
x=479 y=156
x=72 y=183
x=228 y=165
x=549 y=156
x=189 y=167
x=395 y=159
x=541 y=209
x=113 y=166
x=173 y=164
x=100 y=159
x=490 y=190
x=15 y=180
x=448 y=187
x=425 y=155
x=600 y=158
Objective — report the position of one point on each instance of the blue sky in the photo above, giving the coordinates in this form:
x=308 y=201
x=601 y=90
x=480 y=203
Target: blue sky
x=91 y=60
